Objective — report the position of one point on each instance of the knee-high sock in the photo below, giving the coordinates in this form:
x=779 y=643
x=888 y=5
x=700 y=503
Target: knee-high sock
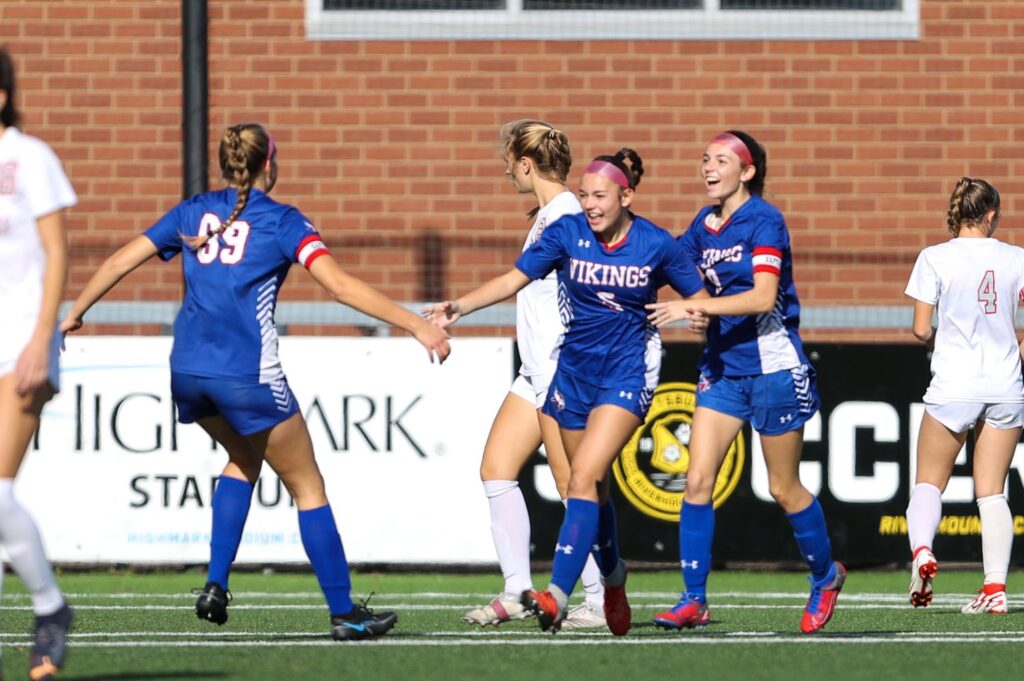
x=593 y=587
x=996 y=537
x=231 y=501
x=811 y=535
x=696 y=532
x=510 y=528
x=322 y=542
x=607 y=545
x=924 y=513
x=20 y=536
x=575 y=540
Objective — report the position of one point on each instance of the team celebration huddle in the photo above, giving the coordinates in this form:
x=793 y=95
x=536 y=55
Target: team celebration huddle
x=588 y=321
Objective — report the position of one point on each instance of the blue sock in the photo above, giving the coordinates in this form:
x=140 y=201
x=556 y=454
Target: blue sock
x=322 y=542
x=231 y=500
x=812 y=537
x=696 y=532
x=607 y=553
x=575 y=540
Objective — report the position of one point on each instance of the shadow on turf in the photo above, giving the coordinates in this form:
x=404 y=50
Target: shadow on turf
x=148 y=676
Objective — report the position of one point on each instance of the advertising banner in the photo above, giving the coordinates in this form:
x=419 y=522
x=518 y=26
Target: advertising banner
x=112 y=478
x=859 y=459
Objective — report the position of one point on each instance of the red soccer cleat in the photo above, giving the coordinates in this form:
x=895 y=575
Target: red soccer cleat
x=822 y=602
x=923 y=571
x=687 y=614
x=544 y=605
x=617 y=612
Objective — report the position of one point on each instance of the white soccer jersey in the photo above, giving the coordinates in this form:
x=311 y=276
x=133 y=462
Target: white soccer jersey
x=976 y=285
x=539 y=326
x=32 y=184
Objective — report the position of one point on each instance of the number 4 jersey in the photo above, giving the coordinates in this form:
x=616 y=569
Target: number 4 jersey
x=975 y=284
x=225 y=328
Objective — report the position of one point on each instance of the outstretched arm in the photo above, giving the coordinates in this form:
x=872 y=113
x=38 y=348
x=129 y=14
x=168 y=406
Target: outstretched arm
x=32 y=367
x=757 y=300
x=113 y=270
x=494 y=291
x=348 y=290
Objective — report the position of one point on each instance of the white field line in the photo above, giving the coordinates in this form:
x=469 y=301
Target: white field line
x=547 y=640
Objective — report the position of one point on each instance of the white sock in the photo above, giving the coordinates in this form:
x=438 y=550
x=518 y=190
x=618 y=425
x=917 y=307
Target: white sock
x=20 y=537
x=510 y=527
x=592 y=584
x=924 y=513
x=996 y=537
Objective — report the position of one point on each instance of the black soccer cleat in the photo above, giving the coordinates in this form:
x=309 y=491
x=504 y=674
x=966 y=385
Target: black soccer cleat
x=50 y=646
x=361 y=623
x=212 y=603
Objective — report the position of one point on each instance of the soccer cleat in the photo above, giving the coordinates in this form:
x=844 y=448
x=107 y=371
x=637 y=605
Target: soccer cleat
x=50 y=646
x=361 y=623
x=212 y=603
x=617 y=612
x=545 y=607
x=585 y=616
x=923 y=571
x=991 y=599
x=822 y=602
x=687 y=614
x=501 y=609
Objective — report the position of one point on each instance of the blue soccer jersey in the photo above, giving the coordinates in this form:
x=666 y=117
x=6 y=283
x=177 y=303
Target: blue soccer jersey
x=225 y=328
x=602 y=292
x=753 y=239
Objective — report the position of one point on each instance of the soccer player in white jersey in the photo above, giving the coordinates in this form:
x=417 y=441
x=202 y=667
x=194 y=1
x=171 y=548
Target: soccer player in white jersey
x=753 y=369
x=974 y=282
x=34 y=193
x=537 y=161
x=610 y=264
x=238 y=244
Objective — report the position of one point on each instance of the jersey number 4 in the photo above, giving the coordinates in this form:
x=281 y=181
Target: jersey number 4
x=987 y=292
x=232 y=249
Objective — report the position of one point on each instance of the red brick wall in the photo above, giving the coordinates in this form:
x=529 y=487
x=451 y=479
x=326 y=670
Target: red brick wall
x=383 y=143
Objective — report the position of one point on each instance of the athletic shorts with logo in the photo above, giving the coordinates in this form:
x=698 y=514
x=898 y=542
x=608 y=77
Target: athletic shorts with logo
x=774 y=403
x=249 y=407
x=571 y=399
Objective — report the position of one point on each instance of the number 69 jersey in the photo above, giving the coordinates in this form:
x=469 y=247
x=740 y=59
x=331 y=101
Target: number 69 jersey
x=975 y=284
x=225 y=327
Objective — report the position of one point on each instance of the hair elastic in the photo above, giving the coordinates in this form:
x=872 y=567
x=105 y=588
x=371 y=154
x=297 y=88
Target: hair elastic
x=271 y=147
x=609 y=170
x=735 y=145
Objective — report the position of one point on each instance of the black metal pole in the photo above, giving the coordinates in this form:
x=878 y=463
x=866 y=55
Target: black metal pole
x=195 y=106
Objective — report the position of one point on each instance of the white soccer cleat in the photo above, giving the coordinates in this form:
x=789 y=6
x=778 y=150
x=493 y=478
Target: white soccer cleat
x=583 y=616
x=924 y=570
x=502 y=609
x=991 y=599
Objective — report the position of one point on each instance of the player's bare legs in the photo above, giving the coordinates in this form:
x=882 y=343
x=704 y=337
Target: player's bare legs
x=19 y=418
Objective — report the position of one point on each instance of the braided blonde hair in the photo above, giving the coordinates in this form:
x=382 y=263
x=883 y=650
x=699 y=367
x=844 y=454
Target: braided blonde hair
x=970 y=202
x=244 y=152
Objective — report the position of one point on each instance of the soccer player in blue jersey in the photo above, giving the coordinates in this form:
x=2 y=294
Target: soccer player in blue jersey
x=610 y=263
x=238 y=245
x=753 y=369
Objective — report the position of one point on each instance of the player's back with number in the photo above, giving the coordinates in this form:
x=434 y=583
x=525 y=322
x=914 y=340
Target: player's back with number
x=225 y=326
x=975 y=285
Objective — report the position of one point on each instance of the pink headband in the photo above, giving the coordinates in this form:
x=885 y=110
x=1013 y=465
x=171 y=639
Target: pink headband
x=609 y=170
x=271 y=147
x=735 y=145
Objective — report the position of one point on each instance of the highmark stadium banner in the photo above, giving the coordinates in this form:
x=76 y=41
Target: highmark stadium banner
x=859 y=459
x=112 y=478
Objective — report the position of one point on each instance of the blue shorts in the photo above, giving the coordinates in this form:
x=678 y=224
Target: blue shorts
x=774 y=403
x=248 y=406
x=570 y=399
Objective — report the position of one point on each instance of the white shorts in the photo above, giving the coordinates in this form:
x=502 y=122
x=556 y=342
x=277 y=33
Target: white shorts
x=533 y=389
x=7 y=365
x=959 y=416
